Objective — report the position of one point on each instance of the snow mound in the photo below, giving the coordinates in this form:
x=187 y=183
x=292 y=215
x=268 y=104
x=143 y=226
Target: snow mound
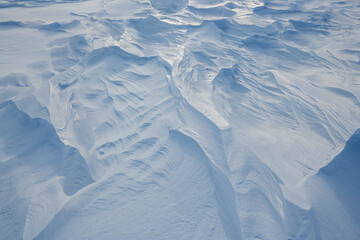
x=335 y=186
x=191 y=119
x=38 y=173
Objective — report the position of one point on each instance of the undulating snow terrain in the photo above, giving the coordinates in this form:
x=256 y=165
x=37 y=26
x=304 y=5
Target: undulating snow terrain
x=179 y=119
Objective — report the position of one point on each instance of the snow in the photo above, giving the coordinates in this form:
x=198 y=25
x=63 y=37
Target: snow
x=191 y=119
x=338 y=183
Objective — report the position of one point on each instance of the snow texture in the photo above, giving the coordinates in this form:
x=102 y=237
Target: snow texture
x=179 y=119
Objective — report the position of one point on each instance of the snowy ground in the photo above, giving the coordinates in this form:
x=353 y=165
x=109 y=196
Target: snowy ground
x=186 y=119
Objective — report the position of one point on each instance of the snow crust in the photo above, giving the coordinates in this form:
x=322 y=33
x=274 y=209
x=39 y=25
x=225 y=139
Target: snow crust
x=187 y=119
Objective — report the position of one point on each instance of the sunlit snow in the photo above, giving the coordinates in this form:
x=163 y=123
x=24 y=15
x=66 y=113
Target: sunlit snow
x=179 y=119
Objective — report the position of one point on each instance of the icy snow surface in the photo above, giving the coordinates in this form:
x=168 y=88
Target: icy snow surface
x=179 y=119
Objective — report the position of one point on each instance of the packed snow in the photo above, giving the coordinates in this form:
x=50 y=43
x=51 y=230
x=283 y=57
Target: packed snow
x=179 y=119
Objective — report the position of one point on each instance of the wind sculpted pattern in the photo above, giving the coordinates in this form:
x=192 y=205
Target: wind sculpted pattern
x=200 y=119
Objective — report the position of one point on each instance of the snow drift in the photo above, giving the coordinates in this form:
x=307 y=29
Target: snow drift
x=199 y=119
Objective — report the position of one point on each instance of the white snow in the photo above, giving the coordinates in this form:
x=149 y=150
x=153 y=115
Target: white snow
x=191 y=119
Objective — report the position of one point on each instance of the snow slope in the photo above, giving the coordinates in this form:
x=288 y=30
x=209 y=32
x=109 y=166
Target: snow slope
x=339 y=192
x=188 y=119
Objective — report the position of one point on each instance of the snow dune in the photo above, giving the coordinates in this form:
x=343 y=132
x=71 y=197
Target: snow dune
x=38 y=173
x=191 y=119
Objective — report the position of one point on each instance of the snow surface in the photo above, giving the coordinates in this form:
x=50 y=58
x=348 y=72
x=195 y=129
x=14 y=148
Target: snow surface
x=186 y=119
